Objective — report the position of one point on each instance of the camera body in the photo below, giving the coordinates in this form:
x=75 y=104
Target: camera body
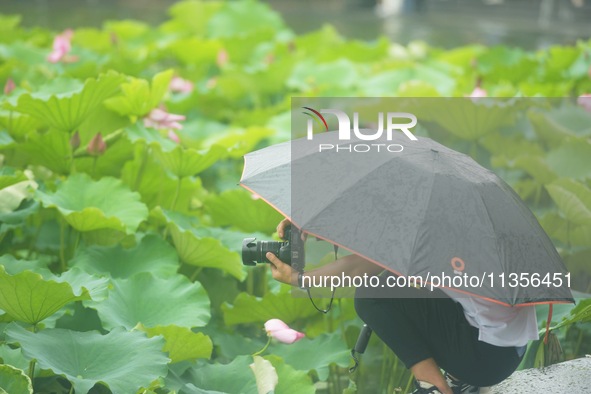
x=290 y=251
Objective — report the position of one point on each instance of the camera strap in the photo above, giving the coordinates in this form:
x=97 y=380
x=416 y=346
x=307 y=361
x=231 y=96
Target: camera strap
x=336 y=256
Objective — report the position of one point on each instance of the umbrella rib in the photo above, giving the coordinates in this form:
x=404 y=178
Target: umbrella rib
x=412 y=252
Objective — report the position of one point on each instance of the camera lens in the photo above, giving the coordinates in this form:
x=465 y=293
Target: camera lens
x=254 y=251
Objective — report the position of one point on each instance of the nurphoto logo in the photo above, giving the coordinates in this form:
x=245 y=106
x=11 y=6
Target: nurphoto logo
x=393 y=124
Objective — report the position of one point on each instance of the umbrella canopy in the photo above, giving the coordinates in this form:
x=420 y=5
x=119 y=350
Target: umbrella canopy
x=424 y=210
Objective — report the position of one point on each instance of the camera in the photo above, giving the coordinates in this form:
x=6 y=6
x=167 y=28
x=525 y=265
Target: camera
x=290 y=251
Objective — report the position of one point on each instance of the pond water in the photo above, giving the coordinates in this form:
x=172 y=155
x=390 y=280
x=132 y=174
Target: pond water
x=529 y=24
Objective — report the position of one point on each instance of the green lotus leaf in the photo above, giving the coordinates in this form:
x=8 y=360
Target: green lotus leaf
x=153 y=302
x=12 y=196
x=92 y=205
x=328 y=349
x=187 y=162
x=27 y=297
x=238 y=208
x=81 y=282
x=79 y=318
x=196 y=52
x=191 y=17
x=216 y=377
x=140 y=97
x=127 y=29
x=50 y=149
x=205 y=246
x=390 y=81
x=13 y=357
x=159 y=188
x=243 y=17
x=238 y=142
x=10 y=176
x=290 y=379
x=65 y=109
x=152 y=254
x=14 y=380
x=6 y=140
x=182 y=343
x=571 y=159
x=18 y=218
x=471 y=118
x=139 y=132
x=13 y=266
x=558 y=125
x=123 y=361
x=502 y=63
x=563 y=230
x=573 y=200
x=250 y=309
x=341 y=74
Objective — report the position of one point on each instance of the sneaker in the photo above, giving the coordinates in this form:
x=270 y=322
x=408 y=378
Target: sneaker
x=460 y=387
x=425 y=388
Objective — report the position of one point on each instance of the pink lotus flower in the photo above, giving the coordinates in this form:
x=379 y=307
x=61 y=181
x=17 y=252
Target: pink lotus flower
x=96 y=146
x=584 y=101
x=478 y=92
x=173 y=136
x=180 y=85
x=160 y=119
x=61 y=47
x=9 y=86
x=222 y=58
x=279 y=330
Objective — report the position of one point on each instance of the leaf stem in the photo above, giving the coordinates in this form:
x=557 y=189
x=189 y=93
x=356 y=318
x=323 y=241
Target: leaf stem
x=94 y=160
x=264 y=348
x=32 y=370
x=177 y=193
x=62 y=245
x=195 y=274
x=142 y=169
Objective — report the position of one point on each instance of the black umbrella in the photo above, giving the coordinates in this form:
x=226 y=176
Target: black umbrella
x=415 y=208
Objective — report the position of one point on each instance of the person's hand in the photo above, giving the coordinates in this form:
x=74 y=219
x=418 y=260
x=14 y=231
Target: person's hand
x=281 y=271
x=281 y=229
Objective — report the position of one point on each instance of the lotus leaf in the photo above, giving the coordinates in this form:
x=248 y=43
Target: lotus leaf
x=326 y=350
x=182 y=343
x=187 y=162
x=153 y=302
x=14 y=380
x=65 y=111
x=573 y=200
x=92 y=205
x=250 y=309
x=238 y=208
x=152 y=254
x=139 y=97
x=205 y=246
x=123 y=361
x=27 y=297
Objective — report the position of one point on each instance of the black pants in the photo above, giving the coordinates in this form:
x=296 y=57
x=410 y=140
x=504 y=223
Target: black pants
x=423 y=327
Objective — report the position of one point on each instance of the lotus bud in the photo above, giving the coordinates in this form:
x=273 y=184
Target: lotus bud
x=97 y=146
x=279 y=330
x=75 y=140
x=9 y=86
x=222 y=58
